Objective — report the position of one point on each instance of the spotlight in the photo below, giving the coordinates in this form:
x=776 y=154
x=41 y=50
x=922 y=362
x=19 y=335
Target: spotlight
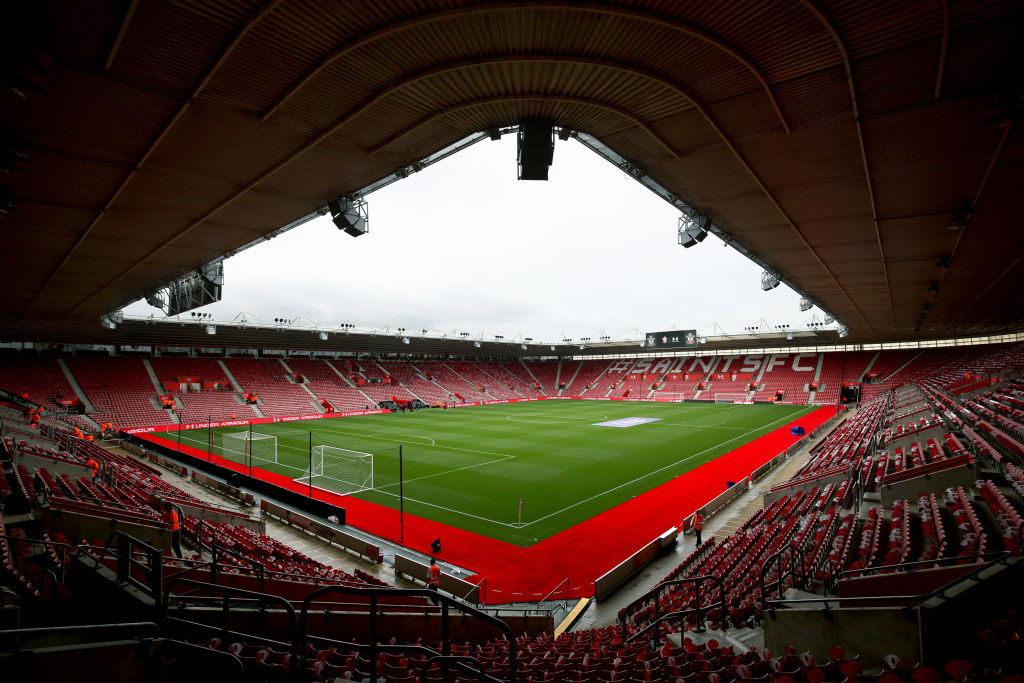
x=829 y=318
x=522 y=346
x=843 y=330
x=692 y=229
x=564 y=133
x=552 y=347
x=476 y=344
x=350 y=215
x=806 y=303
x=405 y=340
x=703 y=340
x=323 y=336
x=789 y=336
x=770 y=279
x=211 y=329
x=583 y=346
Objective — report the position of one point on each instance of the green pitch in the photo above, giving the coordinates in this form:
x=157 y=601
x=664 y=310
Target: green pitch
x=469 y=467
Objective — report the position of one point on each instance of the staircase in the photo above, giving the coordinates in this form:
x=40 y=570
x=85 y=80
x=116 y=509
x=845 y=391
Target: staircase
x=76 y=386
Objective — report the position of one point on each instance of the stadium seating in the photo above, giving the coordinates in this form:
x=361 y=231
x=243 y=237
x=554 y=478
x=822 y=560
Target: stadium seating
x=268 y=379
x=38 y=376
x=120 y=390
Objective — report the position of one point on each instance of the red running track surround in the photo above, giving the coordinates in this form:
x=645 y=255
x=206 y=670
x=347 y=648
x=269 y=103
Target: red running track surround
x=583 y=552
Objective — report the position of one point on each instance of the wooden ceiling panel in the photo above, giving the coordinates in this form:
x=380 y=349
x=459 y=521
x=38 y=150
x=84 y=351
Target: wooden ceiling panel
x=208 y=124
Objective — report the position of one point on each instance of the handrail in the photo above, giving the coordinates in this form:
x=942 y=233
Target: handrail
x=153 y=569
x=907 y=600
x=216 y=551
x=566 y=582
x=655 y=594
x=904 y=566
x=373 y=591
x=462 y=660
x=792 y=550
x=151 y=629
x=226 y=592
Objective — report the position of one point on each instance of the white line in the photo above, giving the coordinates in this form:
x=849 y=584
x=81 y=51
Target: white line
x=453 y=511
x=457 y=469
x=660 y=469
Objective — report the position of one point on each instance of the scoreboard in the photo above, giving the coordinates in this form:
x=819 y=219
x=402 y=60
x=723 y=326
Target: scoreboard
x=673 y=339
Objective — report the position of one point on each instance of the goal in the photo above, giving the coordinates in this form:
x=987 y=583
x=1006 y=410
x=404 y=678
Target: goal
x=345 y=471
x=732 y=398
x=246 y=447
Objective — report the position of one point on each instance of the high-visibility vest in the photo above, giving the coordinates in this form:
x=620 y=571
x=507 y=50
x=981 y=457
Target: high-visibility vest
x=698 y=522
x=434 y=579
x=171 y=517
x=94 y=465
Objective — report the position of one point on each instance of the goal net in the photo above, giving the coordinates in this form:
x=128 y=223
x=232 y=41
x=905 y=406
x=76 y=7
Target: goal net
x=340 y=469
x=732 y=398
x=246 y=447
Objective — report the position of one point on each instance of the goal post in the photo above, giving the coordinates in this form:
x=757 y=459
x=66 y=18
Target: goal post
x=732 y=398
x=248 y=447
x=340 y=469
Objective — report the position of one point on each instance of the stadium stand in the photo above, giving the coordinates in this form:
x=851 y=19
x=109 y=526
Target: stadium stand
x=584 y=377
x=268 y=379
x=119 y=389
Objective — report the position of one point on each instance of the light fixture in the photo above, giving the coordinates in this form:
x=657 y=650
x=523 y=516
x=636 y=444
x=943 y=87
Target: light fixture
x=323 y=336
x=583 y=346
x=476 y=344
x=806 y=303
x=843 y=330
x=692 y=229
x=405 y=340
x=211 y=329
x=960 y=220
x=522 y=346
x=552 y=347
x=703 y=340
x=789 y=336
x=829 y=318
x=770 y=279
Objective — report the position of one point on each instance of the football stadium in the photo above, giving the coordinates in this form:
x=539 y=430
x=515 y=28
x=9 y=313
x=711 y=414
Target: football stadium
x=190 y=496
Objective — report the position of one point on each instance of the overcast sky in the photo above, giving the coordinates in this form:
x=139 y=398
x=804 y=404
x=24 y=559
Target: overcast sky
x=464 y=246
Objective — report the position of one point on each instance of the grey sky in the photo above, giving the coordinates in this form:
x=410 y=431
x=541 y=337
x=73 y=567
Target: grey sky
x=464 y=246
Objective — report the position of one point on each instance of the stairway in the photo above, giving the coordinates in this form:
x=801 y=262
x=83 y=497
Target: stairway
x=76 y=386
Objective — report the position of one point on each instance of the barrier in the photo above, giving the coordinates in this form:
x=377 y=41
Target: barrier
x=606 y=584
x=353 y=544
x=464 y=590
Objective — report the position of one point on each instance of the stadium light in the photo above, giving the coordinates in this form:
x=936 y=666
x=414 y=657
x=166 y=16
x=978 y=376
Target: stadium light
x=405 y=340
x=806 y=303
x=476 y=344
x=829 y=318
x=770 y=279
x=522 y=346
x=552 y=347
x=582 y=346
x=843 y=330
x=211 y=329
x=351 y=215
x=323 y=336
x=692 y=229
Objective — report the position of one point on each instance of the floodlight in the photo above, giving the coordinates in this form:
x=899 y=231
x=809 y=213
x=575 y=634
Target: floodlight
x=351 y=215
x=405 y=340
x=692 y=229
x=552 y=347
x=522 y=346
x=770 y=279
x=323 y=336
x=476 y=344
x=582 y=346
x=843 y=330
x=829 y=319
x=211 y=329
x=789 y=336
x=806 y=303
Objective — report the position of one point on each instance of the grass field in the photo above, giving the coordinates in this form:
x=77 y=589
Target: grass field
x=469 y=467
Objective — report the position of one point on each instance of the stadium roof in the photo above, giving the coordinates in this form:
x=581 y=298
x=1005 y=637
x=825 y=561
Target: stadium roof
x=870 y=152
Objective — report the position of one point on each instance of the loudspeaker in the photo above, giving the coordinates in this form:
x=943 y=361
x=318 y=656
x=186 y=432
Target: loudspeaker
x=536 y=141
x=350 y=215
x=435 y=547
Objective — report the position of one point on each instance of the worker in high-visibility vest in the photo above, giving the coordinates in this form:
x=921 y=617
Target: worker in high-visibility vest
x=173 y=522
x=433 y=577
x=698 y=524
x=94 y=466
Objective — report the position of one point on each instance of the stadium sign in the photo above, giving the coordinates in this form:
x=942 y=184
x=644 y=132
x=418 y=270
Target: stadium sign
x=673 y=339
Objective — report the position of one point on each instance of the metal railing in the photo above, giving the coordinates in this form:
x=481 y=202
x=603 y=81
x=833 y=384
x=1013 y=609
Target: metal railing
x=225 y=594
x=905 y=601
x=565 y=602
x=699 y=611
x=151 y=565
x=13 y=640
x=777 y=556
x=373 y=647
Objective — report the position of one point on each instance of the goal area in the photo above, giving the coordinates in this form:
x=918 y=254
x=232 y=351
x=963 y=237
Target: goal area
x=247 y=447
x=732 y=398
x=340 y=469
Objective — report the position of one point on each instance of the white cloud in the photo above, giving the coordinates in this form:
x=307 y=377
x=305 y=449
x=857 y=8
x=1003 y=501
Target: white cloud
x=464 y=245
